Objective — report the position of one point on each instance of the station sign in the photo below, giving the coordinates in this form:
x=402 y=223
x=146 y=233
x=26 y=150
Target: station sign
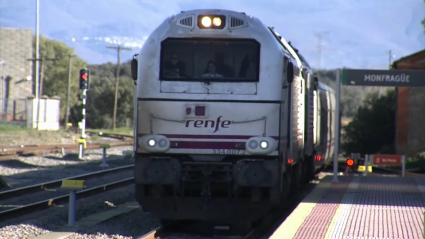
x=385 y=78
x=387 y=160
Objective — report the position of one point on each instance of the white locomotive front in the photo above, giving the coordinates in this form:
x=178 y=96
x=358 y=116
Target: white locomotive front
x=221 y=118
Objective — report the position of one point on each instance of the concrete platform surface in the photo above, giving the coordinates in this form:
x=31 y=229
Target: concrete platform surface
x=359 y=207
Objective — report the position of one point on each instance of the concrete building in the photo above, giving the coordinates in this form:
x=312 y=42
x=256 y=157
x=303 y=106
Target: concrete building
x=16 y=47
x=410 y=115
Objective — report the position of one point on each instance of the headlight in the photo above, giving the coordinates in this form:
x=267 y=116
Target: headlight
x=211 y=21
x=206 y=21
x=154 y=143
x=261 y=145
x=253 y=144
x=216 y=21
x=151 y=142
x=163 y=143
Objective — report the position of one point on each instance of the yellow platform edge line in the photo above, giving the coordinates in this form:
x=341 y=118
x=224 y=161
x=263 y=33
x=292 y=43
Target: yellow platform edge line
x=290 y=226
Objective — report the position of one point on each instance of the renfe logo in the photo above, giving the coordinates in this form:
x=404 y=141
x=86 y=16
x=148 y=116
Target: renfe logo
x=208 y=123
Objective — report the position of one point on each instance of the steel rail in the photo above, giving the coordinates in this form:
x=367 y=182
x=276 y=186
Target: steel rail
x=13 y=153
x=110 y=135
x=32 y=148
x=57 y=183
x=265 y=228
x=18 y=211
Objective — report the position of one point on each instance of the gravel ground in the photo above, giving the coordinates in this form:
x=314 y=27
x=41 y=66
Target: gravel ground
x=130 y=225
x=53 y=192
x=37 y=169
x=136 y=222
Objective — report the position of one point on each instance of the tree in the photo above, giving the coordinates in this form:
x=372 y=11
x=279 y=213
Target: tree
x=99 y=104
x=373 y=127
x=56 y=72
x=100 y=97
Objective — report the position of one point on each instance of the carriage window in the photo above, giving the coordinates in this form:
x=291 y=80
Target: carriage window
x=211 y=60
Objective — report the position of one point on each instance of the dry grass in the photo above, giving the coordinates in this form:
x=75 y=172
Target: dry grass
x=14 y=135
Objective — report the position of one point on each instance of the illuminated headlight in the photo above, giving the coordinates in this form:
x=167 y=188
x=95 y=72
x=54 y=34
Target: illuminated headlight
x=211 y=21
x=206 y=21
x=151 y=142
x=216 y=21
x=154 y=143
x=264 y=144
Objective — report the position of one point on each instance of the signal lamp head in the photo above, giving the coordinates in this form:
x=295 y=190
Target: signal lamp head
x=350 y=162
x=84 y=76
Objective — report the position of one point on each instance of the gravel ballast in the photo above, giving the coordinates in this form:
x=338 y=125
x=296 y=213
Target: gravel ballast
x=130 y=225
x=49 y=193
x=31 y=170
x=48 y=220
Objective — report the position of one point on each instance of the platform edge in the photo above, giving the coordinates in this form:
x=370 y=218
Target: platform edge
x=290 y=226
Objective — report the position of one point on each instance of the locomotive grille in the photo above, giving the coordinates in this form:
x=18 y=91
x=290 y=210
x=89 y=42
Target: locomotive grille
x=237 y=23
x=186 y=22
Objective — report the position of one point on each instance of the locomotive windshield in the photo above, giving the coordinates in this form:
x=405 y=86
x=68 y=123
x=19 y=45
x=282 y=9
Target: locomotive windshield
x=210 y=60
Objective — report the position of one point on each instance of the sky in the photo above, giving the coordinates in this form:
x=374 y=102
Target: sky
x=354 y=33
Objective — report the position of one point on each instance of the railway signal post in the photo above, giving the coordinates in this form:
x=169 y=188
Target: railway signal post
x=84 y=86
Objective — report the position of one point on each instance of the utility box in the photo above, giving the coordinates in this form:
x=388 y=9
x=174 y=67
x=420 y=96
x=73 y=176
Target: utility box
x=48 y=115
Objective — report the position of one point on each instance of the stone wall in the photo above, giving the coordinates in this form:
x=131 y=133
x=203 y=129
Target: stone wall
x=410 y=124
x=16 y=47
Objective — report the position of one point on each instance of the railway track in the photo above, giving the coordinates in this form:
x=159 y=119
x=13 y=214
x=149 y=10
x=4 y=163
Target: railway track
x=53 y=186
x=268 y=224
x=110 y=135
x=263 y=229
x=13 y=152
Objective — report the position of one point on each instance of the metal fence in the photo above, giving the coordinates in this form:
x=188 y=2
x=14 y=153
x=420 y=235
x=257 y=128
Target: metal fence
x=13 y=110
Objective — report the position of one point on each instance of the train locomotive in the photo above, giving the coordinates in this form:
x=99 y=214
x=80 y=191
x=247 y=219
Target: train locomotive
x=229 y=119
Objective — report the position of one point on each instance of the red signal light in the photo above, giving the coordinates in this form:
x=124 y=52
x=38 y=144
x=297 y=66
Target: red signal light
x=84 y=76
x=350 y=162
x=318 y=157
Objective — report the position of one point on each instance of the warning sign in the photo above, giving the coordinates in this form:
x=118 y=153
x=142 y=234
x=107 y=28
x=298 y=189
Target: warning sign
x=387 y=160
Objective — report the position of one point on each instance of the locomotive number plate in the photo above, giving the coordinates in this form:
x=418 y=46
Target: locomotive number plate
x=228 y=151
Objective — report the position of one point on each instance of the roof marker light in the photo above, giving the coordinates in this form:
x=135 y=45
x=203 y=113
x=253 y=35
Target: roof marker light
x=206 y=21
x=216 y=21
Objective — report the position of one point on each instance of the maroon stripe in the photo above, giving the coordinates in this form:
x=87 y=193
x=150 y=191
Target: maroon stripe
x=206 y=145
x=199 y=136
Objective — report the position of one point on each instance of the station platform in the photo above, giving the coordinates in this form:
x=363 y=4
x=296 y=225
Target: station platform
x=359 y=207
